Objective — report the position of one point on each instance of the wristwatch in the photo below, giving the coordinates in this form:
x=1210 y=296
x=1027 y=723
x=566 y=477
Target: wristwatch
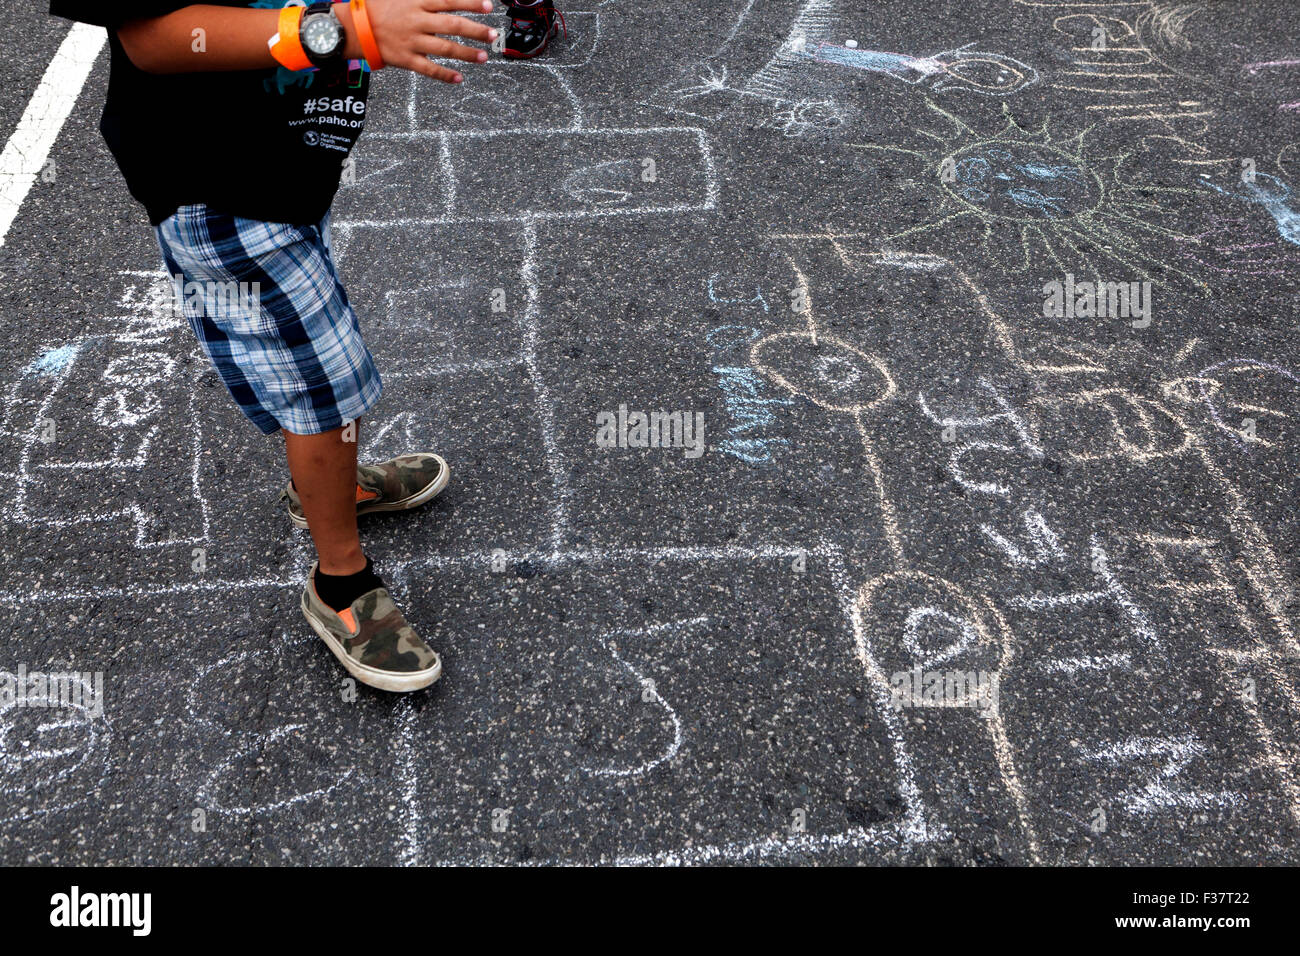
x=322 y=35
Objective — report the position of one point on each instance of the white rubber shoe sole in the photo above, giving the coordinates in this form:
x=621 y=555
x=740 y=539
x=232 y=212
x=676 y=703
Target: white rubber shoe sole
x=426 y=494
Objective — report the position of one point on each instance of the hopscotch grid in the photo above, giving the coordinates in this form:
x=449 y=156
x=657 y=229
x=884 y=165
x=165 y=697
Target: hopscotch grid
x=24 y=478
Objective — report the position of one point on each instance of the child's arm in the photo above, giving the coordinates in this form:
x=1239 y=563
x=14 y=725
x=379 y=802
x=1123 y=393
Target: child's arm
x=235 y=38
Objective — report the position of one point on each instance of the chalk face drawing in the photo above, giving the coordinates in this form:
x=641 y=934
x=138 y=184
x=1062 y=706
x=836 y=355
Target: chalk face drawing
x=1014 y=180
x=988 y=74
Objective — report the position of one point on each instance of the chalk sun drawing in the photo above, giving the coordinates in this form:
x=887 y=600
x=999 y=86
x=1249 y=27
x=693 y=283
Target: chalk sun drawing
x=1051 y=197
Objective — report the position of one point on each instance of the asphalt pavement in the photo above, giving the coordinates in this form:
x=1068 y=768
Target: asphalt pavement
x=970 y=327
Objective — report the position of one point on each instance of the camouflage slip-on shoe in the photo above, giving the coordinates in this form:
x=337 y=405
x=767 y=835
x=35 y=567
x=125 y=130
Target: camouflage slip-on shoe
x=372 y=640
x=406 y=481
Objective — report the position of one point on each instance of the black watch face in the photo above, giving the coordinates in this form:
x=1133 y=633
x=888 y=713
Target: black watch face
x=321 y=34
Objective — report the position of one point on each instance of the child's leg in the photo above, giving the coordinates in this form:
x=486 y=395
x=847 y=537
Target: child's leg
x=324 y=470
x=290 y=352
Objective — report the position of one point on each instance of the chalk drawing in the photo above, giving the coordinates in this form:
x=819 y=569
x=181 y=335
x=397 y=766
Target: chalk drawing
x=1089 y=426
x=988 y=74
x=1111 y=592
x=845 y=380
x=651 y=691
x=55 y=757
x=745 y=393
x=1058 y=201
x=795 y=116
x=1049 y=197
x=1043 y=542
x=1207 y=382
x=128 y=370
x=239 y=745
x=1228 y=246
x=1163 y=789
x=1272 y=194
x=1123 y=74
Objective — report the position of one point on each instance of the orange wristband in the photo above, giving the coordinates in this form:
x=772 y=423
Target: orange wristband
x=286 y=46
x=366 y=36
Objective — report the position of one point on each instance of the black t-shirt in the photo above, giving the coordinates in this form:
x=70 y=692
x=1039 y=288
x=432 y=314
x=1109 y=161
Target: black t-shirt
x=263 y=144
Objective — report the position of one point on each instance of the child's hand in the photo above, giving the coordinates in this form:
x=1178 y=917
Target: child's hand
x=406 y=32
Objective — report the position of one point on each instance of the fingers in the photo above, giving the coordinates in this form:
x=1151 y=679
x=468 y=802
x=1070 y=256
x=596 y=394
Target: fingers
x=468 y=6
x=437 y=46
x=461 y=27
x=426 y=67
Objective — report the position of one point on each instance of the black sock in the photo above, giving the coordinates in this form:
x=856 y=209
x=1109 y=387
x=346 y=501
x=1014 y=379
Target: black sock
x=340 y=590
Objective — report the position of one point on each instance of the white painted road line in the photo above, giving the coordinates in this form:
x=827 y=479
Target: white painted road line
x=29 y=147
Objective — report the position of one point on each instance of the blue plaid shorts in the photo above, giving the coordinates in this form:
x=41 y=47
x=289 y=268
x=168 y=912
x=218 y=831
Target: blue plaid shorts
x=269 y=310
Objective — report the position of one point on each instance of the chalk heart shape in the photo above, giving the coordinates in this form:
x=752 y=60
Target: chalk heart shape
x=825 y=370
x=913 y=619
